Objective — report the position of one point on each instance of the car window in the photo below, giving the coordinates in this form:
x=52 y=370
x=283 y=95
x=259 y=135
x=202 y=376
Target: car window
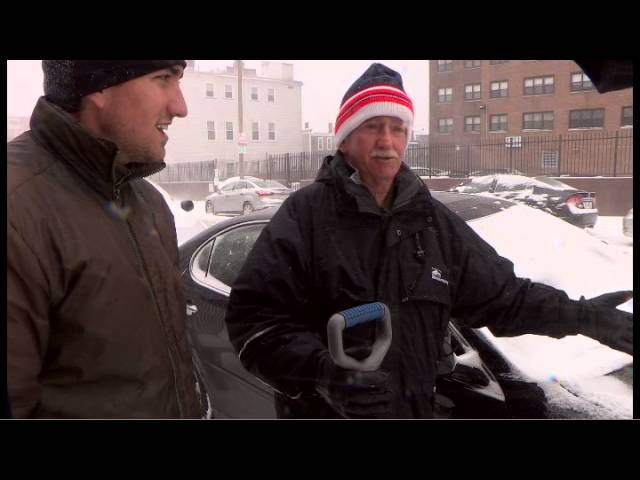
x=273 y=184
x=240 y=185
x=230 y=251
x=228 y=187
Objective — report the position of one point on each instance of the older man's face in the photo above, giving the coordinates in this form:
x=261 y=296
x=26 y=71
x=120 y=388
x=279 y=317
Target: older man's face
x=376 y=148
x=137 y=113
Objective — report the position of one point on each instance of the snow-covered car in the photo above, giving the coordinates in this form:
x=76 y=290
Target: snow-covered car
x=484 y=377
x=575 y=206
x=187 y=219
x=246 y=194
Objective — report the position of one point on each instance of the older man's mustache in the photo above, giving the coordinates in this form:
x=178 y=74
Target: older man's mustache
x=384 y=153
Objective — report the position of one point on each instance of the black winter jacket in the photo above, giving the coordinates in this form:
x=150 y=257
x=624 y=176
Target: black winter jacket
x=331 y=247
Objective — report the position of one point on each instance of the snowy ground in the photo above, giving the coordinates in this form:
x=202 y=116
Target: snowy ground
x=574 y=372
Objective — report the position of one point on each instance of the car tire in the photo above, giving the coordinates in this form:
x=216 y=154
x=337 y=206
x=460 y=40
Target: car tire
x=247 y=208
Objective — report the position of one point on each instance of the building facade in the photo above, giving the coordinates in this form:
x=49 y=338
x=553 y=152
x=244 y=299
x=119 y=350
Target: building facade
x=271 y=115
x=318 y=141
x=484 y=102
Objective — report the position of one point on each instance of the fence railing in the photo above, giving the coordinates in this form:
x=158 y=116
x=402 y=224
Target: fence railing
x=573 y=154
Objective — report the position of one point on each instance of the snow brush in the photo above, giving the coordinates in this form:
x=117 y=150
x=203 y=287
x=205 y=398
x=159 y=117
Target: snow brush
x=368 y=312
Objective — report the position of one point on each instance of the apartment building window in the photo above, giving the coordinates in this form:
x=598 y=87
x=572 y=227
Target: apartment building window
x=445 y=65
x=472 y=124
x=228 y=91
x=497 y=62
x=539 y=85
x=272 y=131
x=320 y=143
x=472 y=91
x=472 y=63
x=255 y=131
x=211 y=130
x=445 y=125
x=537 y=121
x=498 y=123
x=445 y=94
x=499 y=89
x=627 y=117
x=229 y=129
x=210 y=90
x=550 y=159
x=254 y=93
x=329 y=143
x=271 y=95
x=580 y=82
x=587 y=118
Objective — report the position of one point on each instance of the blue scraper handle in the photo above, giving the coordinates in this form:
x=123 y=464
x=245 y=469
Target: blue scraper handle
x=368 y=312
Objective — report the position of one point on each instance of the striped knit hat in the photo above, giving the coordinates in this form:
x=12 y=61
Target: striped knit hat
x=378 y=92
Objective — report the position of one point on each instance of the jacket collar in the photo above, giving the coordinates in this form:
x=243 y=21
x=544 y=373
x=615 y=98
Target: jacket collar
x=411 y=192
x=97 y=161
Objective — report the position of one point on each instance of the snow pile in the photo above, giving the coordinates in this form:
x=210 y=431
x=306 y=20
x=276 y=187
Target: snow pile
x=551 y=251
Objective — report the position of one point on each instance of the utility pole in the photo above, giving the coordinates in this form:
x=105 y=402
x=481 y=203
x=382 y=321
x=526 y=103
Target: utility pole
x=241 y=139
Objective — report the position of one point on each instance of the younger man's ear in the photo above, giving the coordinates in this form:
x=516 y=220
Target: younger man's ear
x=98 y=99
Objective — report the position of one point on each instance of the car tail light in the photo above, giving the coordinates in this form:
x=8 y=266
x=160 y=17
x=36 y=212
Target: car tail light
x=263 y=193
x=574 y=200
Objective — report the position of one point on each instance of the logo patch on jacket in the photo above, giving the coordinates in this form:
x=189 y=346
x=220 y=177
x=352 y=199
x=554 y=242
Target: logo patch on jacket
x=436 y=274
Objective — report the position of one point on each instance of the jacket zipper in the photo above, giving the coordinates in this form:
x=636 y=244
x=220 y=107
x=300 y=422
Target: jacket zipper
x=136 y=249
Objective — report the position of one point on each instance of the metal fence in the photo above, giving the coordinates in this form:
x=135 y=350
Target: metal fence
x=574 y=154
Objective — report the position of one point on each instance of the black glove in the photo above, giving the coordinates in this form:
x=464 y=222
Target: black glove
x=354 y=394
x=603 y=322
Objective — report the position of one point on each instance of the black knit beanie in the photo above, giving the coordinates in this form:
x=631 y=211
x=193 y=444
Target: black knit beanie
x=66 y=81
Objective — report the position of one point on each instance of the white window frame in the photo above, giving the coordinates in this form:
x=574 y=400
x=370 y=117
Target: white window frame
x=256 y=92
x=502 y=86
x=271 y=95
x=320 y=143
x=211 y=128
x=210 y=88
x=445 y=95
x=226 y=131
x=505 y=123
x=475 y=90
x=228 y=89
x=475 y=124
x=257 y=130
x=329 y=143
x=448 y=125
x=271 y=131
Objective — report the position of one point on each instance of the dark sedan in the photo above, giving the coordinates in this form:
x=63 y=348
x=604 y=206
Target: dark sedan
x=474 y=381
x=570 y=204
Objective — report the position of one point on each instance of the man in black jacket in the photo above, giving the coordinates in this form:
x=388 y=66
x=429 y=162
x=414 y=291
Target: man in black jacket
x=368 y=230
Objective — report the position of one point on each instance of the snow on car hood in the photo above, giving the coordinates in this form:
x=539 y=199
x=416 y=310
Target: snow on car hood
x=551 y=251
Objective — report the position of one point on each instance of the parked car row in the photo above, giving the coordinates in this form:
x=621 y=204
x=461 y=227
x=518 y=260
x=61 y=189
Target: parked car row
x=553 y=196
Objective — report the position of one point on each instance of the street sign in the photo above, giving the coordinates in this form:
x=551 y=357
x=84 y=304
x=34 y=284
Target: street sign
x=242 y=149
x=515 y=142
x=242 y=139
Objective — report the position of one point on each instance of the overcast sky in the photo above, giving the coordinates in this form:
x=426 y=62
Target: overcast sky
x=324 y=84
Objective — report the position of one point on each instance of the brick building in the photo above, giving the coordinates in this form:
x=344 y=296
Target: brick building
x=547 y=104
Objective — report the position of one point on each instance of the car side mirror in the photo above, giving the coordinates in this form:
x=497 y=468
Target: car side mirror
x=186 y=205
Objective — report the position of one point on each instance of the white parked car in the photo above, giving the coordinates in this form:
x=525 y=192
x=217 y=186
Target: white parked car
x=244 y=195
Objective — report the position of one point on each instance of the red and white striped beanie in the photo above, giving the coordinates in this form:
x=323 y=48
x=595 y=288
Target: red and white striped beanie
x=378 y=92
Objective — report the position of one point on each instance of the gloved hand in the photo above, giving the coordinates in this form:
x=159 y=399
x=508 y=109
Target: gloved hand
x=603 y=322
x=354 y=394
